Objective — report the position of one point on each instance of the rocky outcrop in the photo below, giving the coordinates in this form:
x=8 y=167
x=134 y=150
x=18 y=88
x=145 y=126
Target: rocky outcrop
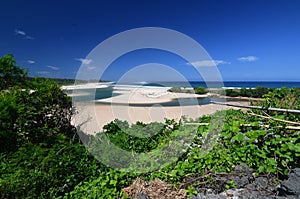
x=261 y=187
x=247 y=186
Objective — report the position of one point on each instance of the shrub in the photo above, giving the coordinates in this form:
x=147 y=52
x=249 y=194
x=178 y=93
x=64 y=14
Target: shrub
x=200 y=90
x=30 y=111
x=35 y=116
x=38 y=171
x=232 y=93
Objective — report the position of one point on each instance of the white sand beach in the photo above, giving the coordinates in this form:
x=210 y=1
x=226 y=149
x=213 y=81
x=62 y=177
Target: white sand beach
x=137 y=103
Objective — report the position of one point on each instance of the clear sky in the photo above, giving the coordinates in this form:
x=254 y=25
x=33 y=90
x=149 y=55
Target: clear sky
x=247 y=39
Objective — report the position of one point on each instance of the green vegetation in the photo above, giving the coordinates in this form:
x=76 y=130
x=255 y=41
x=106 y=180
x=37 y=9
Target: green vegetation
x=127 y=141
x=64 y=81
x=41 y=155
x=10 y=74
x=31 y=112
x=198 y=90
x=58 y=81
x=257 y=92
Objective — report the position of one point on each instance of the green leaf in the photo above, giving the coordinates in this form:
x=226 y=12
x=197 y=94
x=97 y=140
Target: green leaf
x=238 y=137
x=291 y=146
x=255 y=134
x=297 y=148
x=255 y=124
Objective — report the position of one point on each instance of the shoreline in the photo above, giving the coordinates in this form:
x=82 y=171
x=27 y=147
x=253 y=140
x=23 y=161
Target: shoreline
x=149 y=100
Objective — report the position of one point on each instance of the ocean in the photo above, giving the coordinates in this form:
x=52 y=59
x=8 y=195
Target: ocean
x=228 y=84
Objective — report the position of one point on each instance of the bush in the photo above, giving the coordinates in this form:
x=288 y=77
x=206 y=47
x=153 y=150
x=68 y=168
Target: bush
x=232 y=93
x=257 y=92
x=10 y=74
x=34 y=115
x=200 y=90
x=30 y=111
x=37 y=171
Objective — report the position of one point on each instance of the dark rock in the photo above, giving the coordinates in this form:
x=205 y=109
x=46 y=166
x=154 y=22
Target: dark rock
x=241 y=182
x=244 y=193
x=290 y=187
x=142 y=196
x=262 y=184
x=243 y=169
x=242 y=176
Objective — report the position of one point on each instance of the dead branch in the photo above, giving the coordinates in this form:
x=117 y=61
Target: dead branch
x=259 y=107
x=275 y=119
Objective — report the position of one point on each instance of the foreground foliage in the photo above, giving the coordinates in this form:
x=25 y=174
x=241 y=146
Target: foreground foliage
x=66 y=168
x=36 y=114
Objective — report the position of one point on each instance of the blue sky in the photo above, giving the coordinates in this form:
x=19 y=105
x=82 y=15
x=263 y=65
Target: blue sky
x=247 y=39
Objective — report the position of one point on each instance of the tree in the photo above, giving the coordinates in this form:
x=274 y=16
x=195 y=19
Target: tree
x=10 y=73
x=37 y=111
